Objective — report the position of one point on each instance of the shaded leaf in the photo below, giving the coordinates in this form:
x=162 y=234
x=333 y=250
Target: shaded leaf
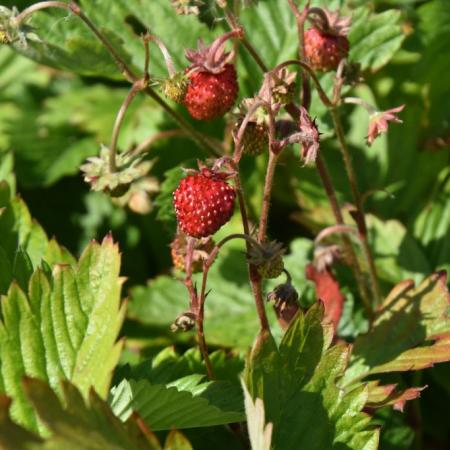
x=374 y=38
x=397 y=254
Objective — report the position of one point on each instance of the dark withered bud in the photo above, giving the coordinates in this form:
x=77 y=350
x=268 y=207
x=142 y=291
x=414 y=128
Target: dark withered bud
x=184 y=322
x=285 y=301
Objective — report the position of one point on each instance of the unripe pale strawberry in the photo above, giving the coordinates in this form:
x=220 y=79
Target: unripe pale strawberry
x=267 y=257
x=256 y=137
x=203 y=203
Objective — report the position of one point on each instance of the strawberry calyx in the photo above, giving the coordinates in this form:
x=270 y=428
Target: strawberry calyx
x=329 y=22
x=212 y=58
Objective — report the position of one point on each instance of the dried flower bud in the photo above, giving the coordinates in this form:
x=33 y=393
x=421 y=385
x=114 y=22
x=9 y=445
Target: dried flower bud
x=310 y=143
x=202 y=248
x=185 y=7
x=129 y=169
x=184 y=322
x=325 y=257
x=285 y=300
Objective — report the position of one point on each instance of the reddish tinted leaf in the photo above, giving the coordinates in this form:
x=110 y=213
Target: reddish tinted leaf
x=386 y=395
x=328 y=291
x=411 y=331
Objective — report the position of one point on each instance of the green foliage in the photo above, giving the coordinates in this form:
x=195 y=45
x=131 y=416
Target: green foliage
x=77 y=425
x=64 y=326
x=184 y=404
x=61 y=315
x=297 y=382
x=374 y=38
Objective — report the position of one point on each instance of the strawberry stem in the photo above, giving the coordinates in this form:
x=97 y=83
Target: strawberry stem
x=324 y=175
x=137 y=87
x=165 y=52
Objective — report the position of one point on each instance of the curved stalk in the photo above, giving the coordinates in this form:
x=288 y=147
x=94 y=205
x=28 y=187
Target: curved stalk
x=138 y=86
x=360 y=219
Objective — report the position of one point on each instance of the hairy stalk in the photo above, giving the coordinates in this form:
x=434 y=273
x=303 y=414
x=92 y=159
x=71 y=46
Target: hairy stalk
x=270 y=172
x=322 y=95
x=193 y=299
x=292 y=109
x=233 y=24
x=300 y=19
x=197 y=307
x=200 y=309
x=255 y=279
x=137 y=87
x=360 y=102
x=360 y=219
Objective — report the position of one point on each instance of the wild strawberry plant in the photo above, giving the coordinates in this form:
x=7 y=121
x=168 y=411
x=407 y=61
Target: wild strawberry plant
x=271 y=149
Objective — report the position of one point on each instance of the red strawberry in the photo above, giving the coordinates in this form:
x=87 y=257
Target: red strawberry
x=324 y=51
x=211 y=95
x=203 y=203
x=326 y=43
x=213 y=85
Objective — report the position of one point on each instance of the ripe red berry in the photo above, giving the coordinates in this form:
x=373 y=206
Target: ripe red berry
x=211 y=95
x=203 y=203
x=325 y=51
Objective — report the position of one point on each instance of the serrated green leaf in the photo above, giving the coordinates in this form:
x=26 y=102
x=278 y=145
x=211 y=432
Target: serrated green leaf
x=399 y=339
x=163 y=408
x=22 y=268
x=24 y=245
x=374 y=38
x=68 y=44
x=63 y=328
x=78 y=425
x=297 y=383
x=271 y=24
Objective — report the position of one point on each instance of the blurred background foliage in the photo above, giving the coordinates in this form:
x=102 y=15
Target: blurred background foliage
x=54 y=116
